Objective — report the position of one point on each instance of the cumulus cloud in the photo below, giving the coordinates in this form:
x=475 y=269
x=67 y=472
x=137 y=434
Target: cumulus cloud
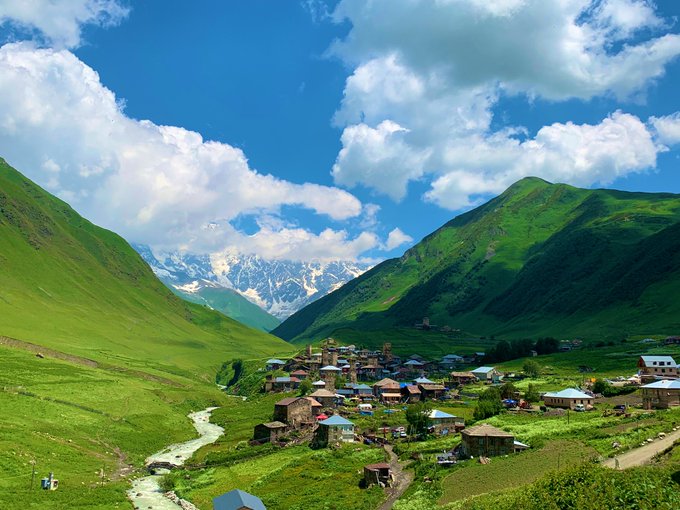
x=667 y=128
x=160 y=185
x=60 y=22
x=396 y=238
x=427 y=76
x=378 y=158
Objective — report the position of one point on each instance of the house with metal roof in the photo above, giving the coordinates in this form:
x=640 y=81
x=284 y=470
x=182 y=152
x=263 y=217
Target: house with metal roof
x=444 y=423
x=657 y=367
x=238 y=500
x=568 y=399
x=486 y=374
x=274 y=364
x=661 y=394
x=335 y=429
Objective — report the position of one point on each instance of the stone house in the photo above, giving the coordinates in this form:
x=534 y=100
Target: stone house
x=461 y=378
x=486 y=441
x=269 y=432
x=295 y=411
x=324 y=397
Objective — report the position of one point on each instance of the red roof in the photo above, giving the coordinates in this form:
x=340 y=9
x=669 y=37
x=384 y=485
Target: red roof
x=299 y=372
x=322 y=417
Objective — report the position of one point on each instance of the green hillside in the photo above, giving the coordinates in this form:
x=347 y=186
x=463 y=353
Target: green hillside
x=99 y=362
x=72 y=286
x=230 y=303
x=539 y=259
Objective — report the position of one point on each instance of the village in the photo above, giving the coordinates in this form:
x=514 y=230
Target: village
x=343 y=391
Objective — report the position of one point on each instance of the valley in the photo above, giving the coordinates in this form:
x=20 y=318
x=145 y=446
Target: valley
x=102 y=364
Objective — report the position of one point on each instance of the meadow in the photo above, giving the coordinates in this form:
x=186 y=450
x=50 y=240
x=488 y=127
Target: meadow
x=76 y=420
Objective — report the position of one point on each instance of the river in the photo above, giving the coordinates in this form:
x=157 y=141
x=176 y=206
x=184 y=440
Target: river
x=146 y=492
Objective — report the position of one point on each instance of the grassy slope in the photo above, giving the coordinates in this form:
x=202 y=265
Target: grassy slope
x=70 y=285
x=539 y=259
x=232 y=304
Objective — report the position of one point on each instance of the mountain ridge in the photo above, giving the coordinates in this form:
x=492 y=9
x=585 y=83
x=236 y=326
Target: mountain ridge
x=279 y=287
x=514 y=266
x=70 y=285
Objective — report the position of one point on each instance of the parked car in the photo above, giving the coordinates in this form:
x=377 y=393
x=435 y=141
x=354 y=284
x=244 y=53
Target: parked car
x=579 y=408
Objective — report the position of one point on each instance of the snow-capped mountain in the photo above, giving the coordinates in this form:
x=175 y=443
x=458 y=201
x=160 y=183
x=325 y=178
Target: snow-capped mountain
x=281 y=287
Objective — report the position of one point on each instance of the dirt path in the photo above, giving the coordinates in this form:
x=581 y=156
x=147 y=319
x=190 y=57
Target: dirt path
x=643 y=454
x=402 y=479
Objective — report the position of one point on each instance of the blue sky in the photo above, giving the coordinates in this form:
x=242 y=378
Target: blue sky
x=344 y=129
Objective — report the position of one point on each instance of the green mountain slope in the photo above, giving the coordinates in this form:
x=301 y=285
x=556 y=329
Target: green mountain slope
x=539 y=259
x=72 y=286
x=230 y=303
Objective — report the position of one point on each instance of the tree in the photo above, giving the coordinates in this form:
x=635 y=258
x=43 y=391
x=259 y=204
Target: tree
x=489 y=404
x=531 y=368
x=508 y=390
x=600 y=386
x=305 y=387
x=532 y=394
x=417 y=416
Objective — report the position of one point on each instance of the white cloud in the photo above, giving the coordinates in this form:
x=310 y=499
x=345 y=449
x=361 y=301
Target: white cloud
x=396 y=238
x=160 y=185
x=427 y=76
x=667 y=128
x=378 y=158
x=60 y=22
x=577 y=154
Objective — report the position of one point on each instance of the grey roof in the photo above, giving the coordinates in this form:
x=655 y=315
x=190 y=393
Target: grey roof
x=330 y=368
x=483 y=370
x=666 y=384
x=362 y=387
x=413 y=362
x=236 y=500
x=275 y=361
x=336 y=420
x=568 y=393
x=423 y=380
x=282 y=379
x=667 y=360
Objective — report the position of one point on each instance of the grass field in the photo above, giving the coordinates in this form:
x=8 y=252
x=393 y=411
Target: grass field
x=75 y=420
x=512 y=471
x=294 y=478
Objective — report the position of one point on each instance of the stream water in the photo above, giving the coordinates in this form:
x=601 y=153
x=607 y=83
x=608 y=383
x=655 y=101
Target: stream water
x=146 y=492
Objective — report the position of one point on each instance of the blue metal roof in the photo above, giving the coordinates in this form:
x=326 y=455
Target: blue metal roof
x=413 y=362
x=436 y=414
x=237 y=500
x=423 y=380
x=362 y=387
x=336 y=420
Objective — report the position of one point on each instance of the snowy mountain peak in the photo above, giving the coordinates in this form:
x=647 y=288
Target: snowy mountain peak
x=278 y=286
